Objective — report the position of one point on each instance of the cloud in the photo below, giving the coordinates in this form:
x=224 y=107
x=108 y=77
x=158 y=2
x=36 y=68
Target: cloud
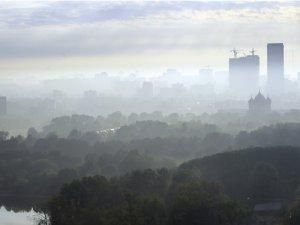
x=75 y=12
x=71 y=28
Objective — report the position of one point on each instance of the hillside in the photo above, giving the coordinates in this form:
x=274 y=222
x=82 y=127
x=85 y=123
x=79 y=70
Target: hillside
x=254 y=174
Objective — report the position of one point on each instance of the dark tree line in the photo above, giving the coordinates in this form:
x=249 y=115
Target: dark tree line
x=144 y=198
x=63 y=125
x=40 y=165
x=219 y=189
x=252 y=175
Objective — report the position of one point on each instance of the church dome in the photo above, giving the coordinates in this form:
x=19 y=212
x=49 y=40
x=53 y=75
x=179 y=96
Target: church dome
x=259 y=105
x=259 y=97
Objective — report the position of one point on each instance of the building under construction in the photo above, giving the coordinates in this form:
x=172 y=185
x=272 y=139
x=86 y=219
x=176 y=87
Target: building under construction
x=244 y=73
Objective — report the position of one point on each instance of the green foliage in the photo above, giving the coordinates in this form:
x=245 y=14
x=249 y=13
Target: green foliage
x=38 y=166
x=264 y=182
x=252 y=175
x=32 y=177
x=3 y=135
x=143 y=198
x=204 y=204
x=274 y=135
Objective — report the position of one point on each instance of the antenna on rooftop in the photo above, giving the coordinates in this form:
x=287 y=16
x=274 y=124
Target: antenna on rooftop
x=253 y=51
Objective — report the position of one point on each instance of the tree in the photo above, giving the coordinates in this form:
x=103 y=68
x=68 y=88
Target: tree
x=80 y=202
x=75 y=134
x=293 y=215
x=116 y=119
x=264 y=182
x=216 y=142
x=132 y=118
x=32 y=132
x=3 y=135
x=201 y=203
x=154 y=211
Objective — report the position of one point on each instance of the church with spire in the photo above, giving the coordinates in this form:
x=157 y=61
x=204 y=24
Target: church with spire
x=259 y=105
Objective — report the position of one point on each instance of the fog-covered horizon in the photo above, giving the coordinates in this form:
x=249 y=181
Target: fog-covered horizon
x=48 y=39
x=149 y=112
x=59 y=58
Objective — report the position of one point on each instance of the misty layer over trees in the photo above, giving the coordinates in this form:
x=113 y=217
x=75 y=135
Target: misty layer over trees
x=171 y=96
x=146 y=159
x=160 y=151
x=125 y=165
x=180 y=128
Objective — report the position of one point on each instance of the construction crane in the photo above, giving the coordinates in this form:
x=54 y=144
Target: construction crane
x=235 y=52
x=253 y=51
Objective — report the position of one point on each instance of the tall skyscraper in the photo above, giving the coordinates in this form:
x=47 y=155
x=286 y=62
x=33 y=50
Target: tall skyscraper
x=244 y=74
x=147 y=89
x=3 y=106
x=275 y=67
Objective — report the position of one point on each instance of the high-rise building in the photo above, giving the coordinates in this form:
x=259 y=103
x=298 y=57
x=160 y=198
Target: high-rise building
x=244 y=74
x=275 y=67
x=3 y=105
x=147 y=89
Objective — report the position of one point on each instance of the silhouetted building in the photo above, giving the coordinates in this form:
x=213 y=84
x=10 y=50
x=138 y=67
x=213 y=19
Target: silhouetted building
x=3 y=105
x=90 y=94
x=259 y=105
x=275 y=67
x=206 y=75
x=58 y=94
x=171 y=76
x=147 y=89
x=244 y=74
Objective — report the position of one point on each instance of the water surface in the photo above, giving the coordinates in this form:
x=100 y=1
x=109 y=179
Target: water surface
x=16 y=218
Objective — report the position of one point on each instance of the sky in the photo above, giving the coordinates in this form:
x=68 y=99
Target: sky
x=54 y=38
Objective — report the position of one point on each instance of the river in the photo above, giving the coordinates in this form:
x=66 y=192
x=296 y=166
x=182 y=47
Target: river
x=16 y=218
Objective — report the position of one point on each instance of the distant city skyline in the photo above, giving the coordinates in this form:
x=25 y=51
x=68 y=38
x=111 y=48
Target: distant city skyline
x=52 y=38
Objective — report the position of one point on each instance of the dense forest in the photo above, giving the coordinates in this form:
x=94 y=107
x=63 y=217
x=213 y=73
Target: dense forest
x=148 y=197
x=35 y=168
x=228 y=122
x=220 y=189
x=252 y=175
